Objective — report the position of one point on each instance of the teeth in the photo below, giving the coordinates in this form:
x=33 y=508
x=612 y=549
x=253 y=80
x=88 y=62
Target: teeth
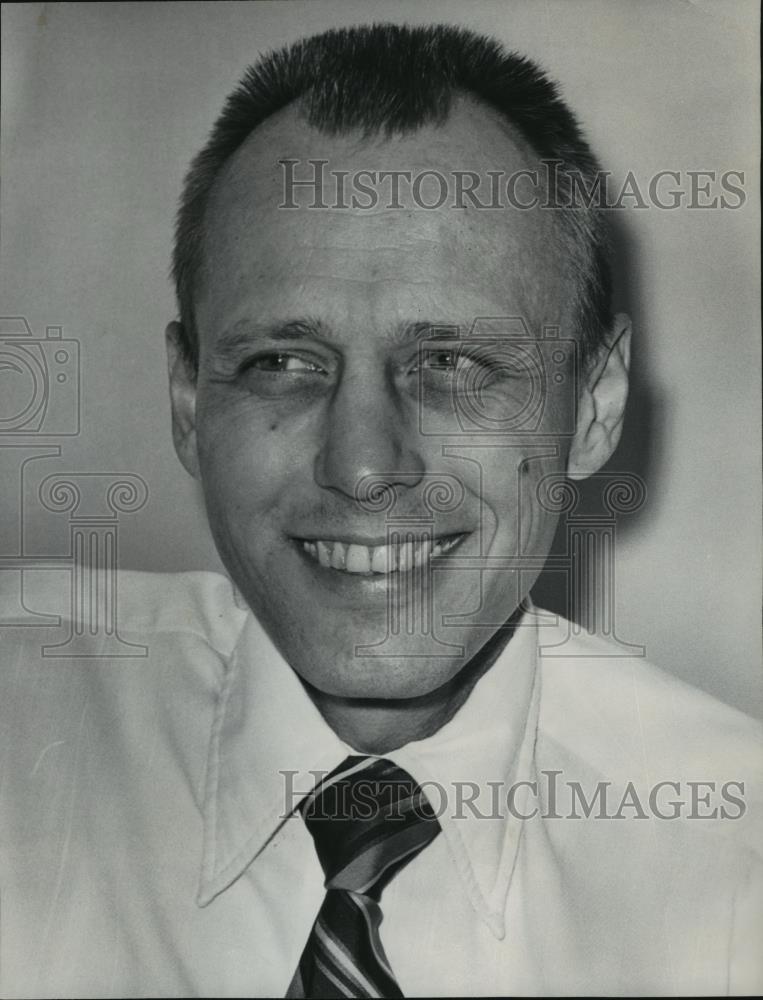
x=381 y=559
x=338 y=555
x=423 y=551
x=324 y=554
x=358 y=559
x=405 y=557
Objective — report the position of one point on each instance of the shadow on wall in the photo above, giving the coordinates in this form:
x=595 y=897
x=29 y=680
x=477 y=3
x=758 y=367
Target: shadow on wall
x=639 y=452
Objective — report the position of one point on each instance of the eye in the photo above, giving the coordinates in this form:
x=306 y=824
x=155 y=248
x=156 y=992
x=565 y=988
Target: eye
x=489 y=371
x=440 y=360
x=447 y=361
x=278 y=361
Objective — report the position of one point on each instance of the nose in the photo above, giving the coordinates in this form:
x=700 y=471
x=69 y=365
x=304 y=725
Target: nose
x=368 y=431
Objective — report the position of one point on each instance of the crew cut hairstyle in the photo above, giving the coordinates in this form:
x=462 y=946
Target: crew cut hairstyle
x=393 y=79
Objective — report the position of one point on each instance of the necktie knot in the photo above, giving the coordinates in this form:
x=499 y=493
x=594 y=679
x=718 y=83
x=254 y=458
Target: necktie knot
x=368 y=818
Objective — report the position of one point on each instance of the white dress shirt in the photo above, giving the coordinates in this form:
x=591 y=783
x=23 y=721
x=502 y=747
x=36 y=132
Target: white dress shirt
x=149 y=844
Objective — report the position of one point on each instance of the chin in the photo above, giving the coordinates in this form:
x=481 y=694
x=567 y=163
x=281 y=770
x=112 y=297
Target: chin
x=380 y=678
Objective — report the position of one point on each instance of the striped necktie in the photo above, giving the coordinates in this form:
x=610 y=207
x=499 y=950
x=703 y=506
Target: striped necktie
x=368 y=819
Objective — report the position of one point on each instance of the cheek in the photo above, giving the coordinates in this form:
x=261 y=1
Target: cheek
x=244 y=466
x=516 y=519
x=537 y=519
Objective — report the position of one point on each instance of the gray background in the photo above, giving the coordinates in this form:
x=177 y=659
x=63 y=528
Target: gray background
x=103 y=106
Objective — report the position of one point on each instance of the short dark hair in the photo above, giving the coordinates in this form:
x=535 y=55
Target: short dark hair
x=388 y=78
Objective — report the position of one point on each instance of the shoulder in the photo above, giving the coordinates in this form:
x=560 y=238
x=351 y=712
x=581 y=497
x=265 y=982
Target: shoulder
x=200 y=604
x=108 y=681
x=127 y=646
x=621 y=718
x=614 y=694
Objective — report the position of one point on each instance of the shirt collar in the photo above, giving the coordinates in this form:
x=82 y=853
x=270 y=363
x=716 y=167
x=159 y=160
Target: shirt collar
x=268 y=740
x=484 y=750
x=270 y=745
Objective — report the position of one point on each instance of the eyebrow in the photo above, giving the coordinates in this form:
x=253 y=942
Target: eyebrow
x=245 y=331
x=242 y=334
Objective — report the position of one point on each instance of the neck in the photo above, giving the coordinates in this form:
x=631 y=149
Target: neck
x=378 y=726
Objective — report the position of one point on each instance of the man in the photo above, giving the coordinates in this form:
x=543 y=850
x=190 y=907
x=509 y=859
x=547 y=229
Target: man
x=379 y=390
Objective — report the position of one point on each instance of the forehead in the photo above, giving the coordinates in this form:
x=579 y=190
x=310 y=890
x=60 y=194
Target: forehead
x=389 y=261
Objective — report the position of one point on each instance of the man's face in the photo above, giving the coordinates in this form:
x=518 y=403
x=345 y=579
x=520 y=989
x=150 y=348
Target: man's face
x=312 y=379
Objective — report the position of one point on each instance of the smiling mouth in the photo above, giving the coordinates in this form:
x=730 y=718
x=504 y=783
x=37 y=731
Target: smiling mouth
x=378 y=560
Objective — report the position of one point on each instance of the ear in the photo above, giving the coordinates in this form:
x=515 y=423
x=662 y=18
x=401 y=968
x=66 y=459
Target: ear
x=183 y=398
x=601 y=403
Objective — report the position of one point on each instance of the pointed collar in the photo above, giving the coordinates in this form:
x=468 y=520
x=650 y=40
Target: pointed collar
x=473 y=762
x=268 y=742
x=270 y=746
